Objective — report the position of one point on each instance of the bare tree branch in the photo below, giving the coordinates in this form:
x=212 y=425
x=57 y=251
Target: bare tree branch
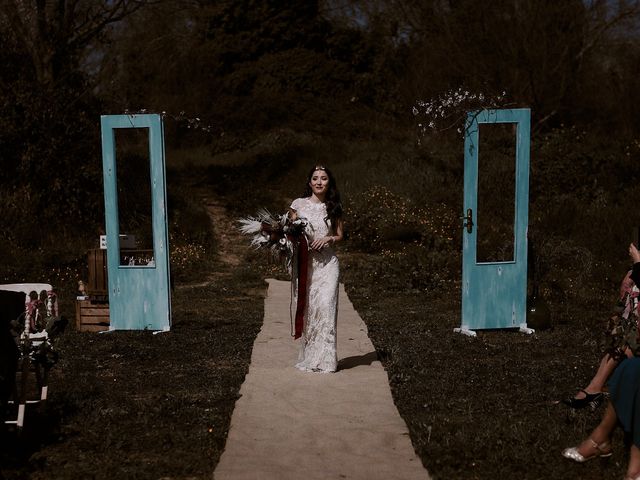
x=55 y=32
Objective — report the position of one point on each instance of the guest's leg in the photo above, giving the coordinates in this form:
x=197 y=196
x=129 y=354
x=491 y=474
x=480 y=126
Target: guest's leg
x=633 y=469
x=606 y=367
x=601 y=435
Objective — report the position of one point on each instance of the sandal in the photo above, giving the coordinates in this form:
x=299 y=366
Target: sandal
x=592 y=400
x=603 y=450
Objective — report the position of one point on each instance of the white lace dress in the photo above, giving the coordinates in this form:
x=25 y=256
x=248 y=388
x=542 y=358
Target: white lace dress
x=318 y=347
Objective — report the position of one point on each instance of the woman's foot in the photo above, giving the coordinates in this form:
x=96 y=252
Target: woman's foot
x=588 y=450
x=585 y=399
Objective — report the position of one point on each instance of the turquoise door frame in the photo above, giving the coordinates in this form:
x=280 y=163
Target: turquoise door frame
x=494 y=294
x=139 y=296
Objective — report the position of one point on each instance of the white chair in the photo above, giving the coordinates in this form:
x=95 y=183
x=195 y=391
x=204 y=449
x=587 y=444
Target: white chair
x=33 y=339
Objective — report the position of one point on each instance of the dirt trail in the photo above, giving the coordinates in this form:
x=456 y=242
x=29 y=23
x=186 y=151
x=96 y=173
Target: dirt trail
x=230 y=244
x=229 y=240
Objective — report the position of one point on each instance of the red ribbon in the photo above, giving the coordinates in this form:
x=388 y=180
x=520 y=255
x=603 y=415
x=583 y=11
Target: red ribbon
x=303 y=267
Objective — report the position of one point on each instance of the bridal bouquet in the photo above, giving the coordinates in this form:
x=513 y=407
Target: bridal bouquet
x=275 y=233
x=279 y=234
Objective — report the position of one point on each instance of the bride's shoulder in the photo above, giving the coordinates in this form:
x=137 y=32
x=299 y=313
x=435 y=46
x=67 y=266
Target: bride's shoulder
x=299 y=202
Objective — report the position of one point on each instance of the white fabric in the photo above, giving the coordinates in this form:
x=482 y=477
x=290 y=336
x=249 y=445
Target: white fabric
x=318 y=343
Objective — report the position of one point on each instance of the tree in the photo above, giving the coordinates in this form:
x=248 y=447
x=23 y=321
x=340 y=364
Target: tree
x=243 y=64
x=55 y=33
x=49 y=116
x=534 y=50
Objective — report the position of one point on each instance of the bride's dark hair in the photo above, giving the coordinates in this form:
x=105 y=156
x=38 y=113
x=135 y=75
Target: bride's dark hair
x=332 y=197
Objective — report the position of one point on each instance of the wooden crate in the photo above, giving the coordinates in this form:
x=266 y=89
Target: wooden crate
x=97 y=286
x=92 y=316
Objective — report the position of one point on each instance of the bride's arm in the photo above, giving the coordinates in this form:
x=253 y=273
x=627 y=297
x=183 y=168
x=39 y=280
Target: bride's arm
x=339 y=233
x=319 y=243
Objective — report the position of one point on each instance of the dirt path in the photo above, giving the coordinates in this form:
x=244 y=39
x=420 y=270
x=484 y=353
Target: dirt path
x=231 y=244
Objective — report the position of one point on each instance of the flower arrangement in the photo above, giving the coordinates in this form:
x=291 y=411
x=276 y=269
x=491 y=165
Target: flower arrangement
x=275 y=233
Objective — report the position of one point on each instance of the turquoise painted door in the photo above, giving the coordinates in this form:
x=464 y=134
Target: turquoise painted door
x=494 y=278
x=139 y=294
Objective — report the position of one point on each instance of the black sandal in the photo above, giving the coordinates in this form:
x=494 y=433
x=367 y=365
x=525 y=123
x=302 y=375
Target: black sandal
x=592 y=400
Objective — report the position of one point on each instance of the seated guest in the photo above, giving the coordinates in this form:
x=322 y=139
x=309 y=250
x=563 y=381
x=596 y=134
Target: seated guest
x=623 y=337
x=623 y=410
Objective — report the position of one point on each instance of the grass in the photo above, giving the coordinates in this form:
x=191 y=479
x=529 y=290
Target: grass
x=137 y=405
x=485 y=407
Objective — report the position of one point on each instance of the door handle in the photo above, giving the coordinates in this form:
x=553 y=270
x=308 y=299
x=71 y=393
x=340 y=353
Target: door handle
x=468 y=219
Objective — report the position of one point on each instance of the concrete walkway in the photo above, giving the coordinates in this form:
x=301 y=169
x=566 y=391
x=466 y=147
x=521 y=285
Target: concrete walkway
x=295 y=425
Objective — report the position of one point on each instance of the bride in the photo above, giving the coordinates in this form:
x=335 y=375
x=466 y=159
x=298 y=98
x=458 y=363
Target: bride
x=320 y=205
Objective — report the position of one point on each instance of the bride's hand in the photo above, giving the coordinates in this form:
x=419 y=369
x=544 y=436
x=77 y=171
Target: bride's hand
x=320 y=243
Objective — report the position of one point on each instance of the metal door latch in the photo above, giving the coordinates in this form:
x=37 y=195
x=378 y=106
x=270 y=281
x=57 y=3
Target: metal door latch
x=468 y=220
